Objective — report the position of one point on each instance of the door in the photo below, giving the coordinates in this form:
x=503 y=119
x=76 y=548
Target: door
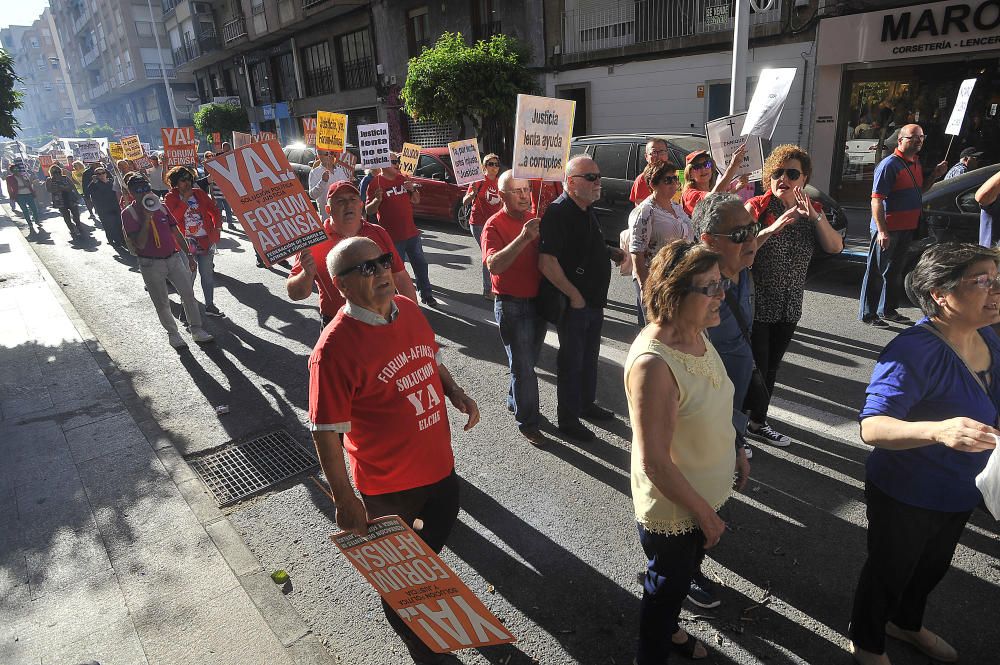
x=579 y=95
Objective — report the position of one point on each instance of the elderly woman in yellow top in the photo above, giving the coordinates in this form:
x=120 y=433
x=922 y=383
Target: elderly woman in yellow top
x=683 y=443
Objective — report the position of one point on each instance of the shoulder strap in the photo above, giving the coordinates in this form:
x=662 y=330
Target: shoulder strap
x=913 y=178
x=734 y=307
x=927 y=325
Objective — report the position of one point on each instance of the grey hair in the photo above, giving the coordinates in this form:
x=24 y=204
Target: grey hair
x=712 y=212
x=941 y=267
x=345 y=253
x=572 y=162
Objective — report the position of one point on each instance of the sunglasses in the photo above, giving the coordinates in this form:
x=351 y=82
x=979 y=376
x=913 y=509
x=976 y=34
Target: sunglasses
x=370 y=267
x=793 y=174
x=140 y=188
x=702 y=165
x=589 y=177
x=985 y=282
x=394 y=161
x=712 y=289
x=494 y=164
x=669 y=180
x=740 y=234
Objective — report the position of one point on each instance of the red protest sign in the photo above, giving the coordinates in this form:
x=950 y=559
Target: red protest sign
x=46 y=162
x=179 y=147
x=265 y=136
x=217 y=142
x=309 y=130
x=268 y=199
x=421 y=588
x=348 y=159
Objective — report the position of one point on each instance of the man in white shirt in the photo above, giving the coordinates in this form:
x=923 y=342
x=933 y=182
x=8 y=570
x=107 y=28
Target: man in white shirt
x=325 y=174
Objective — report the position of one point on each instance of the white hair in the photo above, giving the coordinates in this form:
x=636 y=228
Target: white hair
x=345 y=253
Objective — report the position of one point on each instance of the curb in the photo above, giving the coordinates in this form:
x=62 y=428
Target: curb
x=301 y=645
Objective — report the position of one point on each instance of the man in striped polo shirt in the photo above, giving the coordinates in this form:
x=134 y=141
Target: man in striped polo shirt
x=896 y=200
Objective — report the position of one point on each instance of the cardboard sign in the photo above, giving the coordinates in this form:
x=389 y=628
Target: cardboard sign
x=408 y=159
x=268 y=199
x=143 y=162
x=177 y=136
x=767 y=101
x=348 y=159
x=89 y=151
x=45 y=162
x=961 y=105
x=115 y=151
x=241 y=139
x=421 y=588
x=542 y=135
x=179 y=147
x=131 y=147
x=373 y=141
x=724 y=137
x=216 y=142
x=331 y=130
x=309 y=131
x=466 y=161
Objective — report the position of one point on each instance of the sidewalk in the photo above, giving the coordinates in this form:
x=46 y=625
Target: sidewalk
x=111 y=549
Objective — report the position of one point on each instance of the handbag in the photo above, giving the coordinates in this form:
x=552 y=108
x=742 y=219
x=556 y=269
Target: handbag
x=466 y=210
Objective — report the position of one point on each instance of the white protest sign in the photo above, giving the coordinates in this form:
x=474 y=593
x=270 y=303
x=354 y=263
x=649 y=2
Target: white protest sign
x=767 y=101
x=241 y=139
x=466 y=161
x=373 y=142
x=723 y=139
x=89 y=151
x=961 y=105
x=542 y=134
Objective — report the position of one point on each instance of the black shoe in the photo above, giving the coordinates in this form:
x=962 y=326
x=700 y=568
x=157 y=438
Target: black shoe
x=874 y=322
x=428 y=301
x=535 y=436
x=212 y=310
x=896 y=317
x=595 y=412
x=576 y=430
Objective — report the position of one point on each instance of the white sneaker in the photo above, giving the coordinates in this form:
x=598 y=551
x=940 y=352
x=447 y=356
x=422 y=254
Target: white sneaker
x=201 y=335
x=177 y=341
x=748 y=450
x=767 y=434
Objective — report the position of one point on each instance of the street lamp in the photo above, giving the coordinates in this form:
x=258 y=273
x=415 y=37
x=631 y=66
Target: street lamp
x=741 y=37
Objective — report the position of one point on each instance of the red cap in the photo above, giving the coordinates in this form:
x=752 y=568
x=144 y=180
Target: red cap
x=340 y=184
x=691 y=156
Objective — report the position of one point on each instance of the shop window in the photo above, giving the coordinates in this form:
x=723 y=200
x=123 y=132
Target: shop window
x=318 y=69
x=357 y=68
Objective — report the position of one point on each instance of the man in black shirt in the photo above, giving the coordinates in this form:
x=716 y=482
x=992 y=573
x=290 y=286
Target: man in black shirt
x=574 y=258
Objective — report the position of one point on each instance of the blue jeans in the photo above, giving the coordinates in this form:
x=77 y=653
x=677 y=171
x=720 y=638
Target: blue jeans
x=412 y=250
x=640 y=308
x=477 y=233
x=224 y=206
x=673 y=561
x=29 y=207
x=523 y=333
x=576 y=362
x=883 y=274
x=206 y=269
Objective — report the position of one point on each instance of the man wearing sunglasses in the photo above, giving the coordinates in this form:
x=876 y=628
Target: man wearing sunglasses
x=897 y=192
x=345 y=221
x=656 y=153
x=377 y=389
x=574 y=258
x=324 y=174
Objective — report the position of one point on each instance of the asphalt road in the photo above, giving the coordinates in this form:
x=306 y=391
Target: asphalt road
x=546 y=536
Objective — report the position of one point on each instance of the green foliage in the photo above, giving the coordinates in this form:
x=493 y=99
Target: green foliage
x=104 y=131
x=452 y=81
x=10 y=99
x=222 y=118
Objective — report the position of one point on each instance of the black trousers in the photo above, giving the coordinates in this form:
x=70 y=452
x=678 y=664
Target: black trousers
x=909 y=551
x=768 y=342
x=437 y=506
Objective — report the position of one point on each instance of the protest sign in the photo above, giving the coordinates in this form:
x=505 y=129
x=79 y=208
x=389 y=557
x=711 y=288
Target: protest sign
x=131 y=147
x=348 y=159
x=408 y=158
x=421 y=588
x=466 y=161
x=115 y=151
x=179 y=147
x=217 y=141
x=331 y=130
x=309 y=131
x=146 y=148
x=261 y=137
x=46 y=162
x=961 y=105
x=241 y=139
x=724 y=138
x=143 y=162
x=542 y=134
x=767 y=101
x=373 y=141
x=20 y=166
x=268 y=200
x=89 y=151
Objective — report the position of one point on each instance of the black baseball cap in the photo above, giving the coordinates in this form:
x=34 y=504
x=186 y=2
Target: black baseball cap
x=971 y=152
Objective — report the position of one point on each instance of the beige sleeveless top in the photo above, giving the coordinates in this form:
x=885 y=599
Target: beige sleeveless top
x=704 y=443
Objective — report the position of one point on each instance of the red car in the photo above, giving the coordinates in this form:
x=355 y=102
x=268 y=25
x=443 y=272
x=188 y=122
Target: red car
x=440 y=197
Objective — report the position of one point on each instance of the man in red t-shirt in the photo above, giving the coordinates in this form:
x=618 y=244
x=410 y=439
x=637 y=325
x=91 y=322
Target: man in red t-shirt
x=510 y=248
x=345 y=221
x=656 y=151
x=376 y=390
x=391 y=196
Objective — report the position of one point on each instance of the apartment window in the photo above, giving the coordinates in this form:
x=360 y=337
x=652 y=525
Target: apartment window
x=203 y=92
x=318 y=69
x=485 y=19
x=218 y=90
x=144 y=28
x=284 y=86
x=257 y=7
x=357 y=69
x=232 y=82
x=260 y=82
x=417 y=30
x=34 y=43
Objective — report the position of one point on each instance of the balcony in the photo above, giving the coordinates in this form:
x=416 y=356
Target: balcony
x=306 y=4
x=234 y=29
x=153 y=71
x=587 y=31
x=99 y=90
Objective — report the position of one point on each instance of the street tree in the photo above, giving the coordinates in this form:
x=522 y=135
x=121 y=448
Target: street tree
x=222 y=118
x=10 y=98
x=452 y=83
x=104 y=131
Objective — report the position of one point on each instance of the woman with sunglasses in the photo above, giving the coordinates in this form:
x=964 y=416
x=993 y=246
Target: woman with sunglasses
x=793 y=227
x=931 y=413
x=680 y=403
x=701 y=178
x=485 y=199
x=199 y=220
x=653 y=223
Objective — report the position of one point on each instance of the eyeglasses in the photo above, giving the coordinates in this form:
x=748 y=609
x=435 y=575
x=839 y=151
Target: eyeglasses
x=702 y=165
x=985 y=282
x=370 y=267
x=712 y=289
x=914 y=137
x=519 y=191
x=589 y=177
x=495 y=164
x=660 y=151
x=669 y=180
x=793 y=174
x=740 y=234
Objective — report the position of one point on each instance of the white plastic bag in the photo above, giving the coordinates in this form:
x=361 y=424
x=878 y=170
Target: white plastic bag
x=988 y=482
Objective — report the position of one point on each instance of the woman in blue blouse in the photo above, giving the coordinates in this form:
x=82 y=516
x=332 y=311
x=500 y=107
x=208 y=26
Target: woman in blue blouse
x=931 y=413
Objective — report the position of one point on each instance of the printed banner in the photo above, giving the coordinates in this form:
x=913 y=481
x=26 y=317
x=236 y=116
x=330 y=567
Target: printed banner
x=241 y=139
x=217 y=142
x=309 y=131
x=268 y=199
x=131 y=147
x=373 y=141
x=408 y=159
x=724 y=137
x=261 y=137
x=115 y=151
x=348 y=159
x=143 y=162
x=179 y=147
x=961 y=105
x=331 y=130
x=89 y=151
x=466 y=161
x=542 y=134
x=421 y=588
x=767 y=101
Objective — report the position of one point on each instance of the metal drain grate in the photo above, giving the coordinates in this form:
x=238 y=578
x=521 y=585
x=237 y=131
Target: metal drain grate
x=245 y=469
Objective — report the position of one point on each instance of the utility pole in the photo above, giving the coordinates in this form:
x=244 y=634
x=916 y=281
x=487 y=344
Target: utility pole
x=163 y=67
x=741 y=38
